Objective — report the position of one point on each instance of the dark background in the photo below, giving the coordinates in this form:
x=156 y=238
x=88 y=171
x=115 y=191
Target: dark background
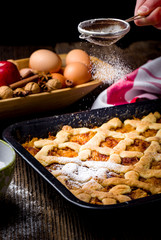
x=50 y=22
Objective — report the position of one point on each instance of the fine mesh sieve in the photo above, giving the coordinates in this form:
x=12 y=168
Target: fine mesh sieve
x=104 y=31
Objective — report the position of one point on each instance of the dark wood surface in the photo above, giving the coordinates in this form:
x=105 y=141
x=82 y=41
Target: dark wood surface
x=32 y=209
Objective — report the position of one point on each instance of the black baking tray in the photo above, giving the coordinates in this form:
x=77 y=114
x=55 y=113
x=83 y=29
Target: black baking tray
x=18 y=133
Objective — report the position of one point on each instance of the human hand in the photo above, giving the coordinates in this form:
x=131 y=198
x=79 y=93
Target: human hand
x=151 y=9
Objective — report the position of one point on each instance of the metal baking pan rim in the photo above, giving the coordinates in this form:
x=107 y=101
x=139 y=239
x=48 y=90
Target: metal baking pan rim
x=9 y=137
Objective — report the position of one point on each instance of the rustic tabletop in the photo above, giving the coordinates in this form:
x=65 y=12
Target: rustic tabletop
x=32 y=209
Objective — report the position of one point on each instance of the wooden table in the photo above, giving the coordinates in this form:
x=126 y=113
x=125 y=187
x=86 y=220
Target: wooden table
x=32 y=209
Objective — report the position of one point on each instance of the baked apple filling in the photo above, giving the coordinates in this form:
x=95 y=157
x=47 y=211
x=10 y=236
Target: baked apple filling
x=113 y=163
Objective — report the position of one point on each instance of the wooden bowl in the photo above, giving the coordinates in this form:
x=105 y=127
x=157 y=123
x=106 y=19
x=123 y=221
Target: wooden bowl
x=46 y=101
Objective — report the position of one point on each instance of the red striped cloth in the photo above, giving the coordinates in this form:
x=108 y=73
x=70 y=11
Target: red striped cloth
x=143 y=83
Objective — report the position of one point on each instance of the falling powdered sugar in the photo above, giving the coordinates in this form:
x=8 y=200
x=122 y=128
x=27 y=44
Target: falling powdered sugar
x=114 y=63
x=112 y=68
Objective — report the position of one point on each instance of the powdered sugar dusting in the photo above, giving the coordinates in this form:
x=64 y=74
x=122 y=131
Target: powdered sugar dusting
x=120 y=67
x=19 y=190
x=77 y=173
x=103 y=72
x=113 y=55
x=81 y=172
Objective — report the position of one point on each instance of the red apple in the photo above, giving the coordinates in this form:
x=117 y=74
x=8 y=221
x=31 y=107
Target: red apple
x=9 y=73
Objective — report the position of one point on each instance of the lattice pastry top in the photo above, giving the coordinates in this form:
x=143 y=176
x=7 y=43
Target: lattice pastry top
x=116 y=162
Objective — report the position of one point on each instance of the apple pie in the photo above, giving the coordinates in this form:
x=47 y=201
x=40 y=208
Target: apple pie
x=113 y=163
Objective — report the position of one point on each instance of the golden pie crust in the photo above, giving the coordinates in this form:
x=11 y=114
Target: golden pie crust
x=114 y=163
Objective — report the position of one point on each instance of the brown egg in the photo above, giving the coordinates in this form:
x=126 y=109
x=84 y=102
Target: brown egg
x=77 y=73
x=60 y=77
x=44 y=60
x=78 y=55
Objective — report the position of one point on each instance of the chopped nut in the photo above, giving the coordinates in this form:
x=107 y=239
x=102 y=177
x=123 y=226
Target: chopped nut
x=32 y=87
x=5 y=92
x=53 y=84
